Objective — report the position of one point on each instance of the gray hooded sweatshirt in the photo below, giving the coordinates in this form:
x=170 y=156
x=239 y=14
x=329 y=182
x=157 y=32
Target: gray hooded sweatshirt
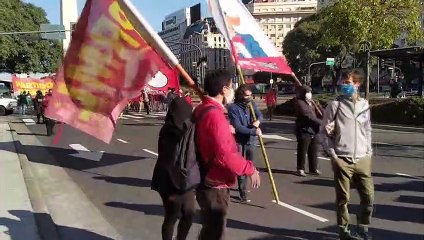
x=352 y=136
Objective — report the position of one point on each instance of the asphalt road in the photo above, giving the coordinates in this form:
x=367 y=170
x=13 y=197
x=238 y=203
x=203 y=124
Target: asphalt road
x=115 y=178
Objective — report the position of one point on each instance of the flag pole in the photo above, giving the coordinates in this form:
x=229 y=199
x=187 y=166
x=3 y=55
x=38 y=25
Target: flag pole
x=261 y=142
x=262 y=145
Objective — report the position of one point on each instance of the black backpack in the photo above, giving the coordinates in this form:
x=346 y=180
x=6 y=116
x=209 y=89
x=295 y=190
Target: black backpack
x=186 y=173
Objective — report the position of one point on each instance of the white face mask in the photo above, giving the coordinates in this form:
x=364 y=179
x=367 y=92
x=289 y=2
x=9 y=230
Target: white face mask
x=230 y=98
x=308 y=96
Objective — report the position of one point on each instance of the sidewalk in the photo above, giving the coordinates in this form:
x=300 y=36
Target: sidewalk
x=17 y=220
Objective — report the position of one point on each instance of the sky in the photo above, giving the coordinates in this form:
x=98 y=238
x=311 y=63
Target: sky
x=153 y=11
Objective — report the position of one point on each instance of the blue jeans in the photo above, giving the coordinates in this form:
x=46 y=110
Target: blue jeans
x=22 y=109
x=247 y=150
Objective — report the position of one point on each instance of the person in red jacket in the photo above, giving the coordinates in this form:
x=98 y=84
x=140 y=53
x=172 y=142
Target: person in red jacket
x=271 y=101
x=220 y=160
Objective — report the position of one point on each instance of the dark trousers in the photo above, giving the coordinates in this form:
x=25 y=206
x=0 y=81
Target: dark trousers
x=49 y=126
x=307 y=144
x=175 y=205
x=247 y=150
x=147 y=107
x=270 y=109
x=213 y=203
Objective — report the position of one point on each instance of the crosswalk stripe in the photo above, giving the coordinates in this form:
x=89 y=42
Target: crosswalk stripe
x=275 y=137
x=28 y=121
x=132 y=116
x=122 y=141
x=78 y=147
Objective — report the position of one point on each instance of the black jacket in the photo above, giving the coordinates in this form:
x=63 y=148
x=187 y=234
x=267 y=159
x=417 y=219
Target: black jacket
x=169 y=136
x=307 y=120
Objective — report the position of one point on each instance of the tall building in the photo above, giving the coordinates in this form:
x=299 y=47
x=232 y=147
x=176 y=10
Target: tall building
x=175 y=25
x=278 y=17
x=68 y=18
x=202 y=39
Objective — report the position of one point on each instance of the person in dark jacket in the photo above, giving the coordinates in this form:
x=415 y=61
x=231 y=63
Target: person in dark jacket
x=38 y=106
x=49 y=122
x=175 y=202
x=246 y=130
x=307 y=128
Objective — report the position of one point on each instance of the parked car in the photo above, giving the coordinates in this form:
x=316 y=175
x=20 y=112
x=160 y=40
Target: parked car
x=7 y=105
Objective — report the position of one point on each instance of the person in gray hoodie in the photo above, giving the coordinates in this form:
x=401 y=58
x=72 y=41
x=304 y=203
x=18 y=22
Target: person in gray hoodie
x=346 y=138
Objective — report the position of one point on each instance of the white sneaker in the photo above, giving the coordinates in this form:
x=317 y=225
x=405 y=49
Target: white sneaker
x=301 y=173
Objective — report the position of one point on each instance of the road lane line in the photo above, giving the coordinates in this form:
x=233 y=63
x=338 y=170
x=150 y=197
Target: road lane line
x=324 y=158
x=275 y=137
x=134 y=117
x=122 y=141
x=148 y=151
x=410 y=176
x=28 y=121
x=78 y=147
x=308 y=214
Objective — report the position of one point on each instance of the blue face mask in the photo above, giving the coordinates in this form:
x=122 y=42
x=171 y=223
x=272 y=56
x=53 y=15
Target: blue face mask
x=348 y=90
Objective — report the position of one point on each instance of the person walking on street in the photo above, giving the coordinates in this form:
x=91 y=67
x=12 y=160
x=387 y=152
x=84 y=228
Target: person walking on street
x=175 y=201
x=271 y=101
x=246 y=130
x=307 y=128
x=219 y=158
x=38 y=106
x=146 y=101
x=23 y=103
x=346 y=137
x=49 y=122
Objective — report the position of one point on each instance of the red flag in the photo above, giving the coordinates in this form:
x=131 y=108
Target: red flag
x=112 y=55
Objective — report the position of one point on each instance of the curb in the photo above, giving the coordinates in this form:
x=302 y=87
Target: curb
x=46 y=227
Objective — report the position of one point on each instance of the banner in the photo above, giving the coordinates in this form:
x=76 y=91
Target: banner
x=251 y=48
x=32 y=85
x=112 y=55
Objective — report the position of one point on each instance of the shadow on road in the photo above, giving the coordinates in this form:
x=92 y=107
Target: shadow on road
x=66 y=158
x=48 y=230
x=386 y=212
x=134 y=182
x=413 y=186
x=410 y=199
x=143 y=124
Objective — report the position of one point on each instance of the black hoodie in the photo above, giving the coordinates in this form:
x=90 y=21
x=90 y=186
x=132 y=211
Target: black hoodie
x=179 y=114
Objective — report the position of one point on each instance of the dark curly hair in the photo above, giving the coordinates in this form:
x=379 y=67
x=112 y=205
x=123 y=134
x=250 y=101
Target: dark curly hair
x=239 y=93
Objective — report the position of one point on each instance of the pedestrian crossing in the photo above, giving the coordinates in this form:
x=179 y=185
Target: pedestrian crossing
x=142 y=115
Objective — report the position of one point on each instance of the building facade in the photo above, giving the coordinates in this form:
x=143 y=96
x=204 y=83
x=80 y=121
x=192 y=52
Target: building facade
x=278 y=17
x=203 y=40
x=68 y=18
x=175 y=25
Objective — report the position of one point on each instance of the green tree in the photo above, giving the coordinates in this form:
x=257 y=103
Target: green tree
x=25 y=53
x=380 y=22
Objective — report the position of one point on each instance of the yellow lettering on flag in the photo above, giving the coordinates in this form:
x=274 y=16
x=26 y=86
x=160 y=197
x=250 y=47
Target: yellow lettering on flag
x=119 y=16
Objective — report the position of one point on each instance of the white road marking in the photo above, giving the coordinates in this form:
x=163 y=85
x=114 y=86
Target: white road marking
x=324 y=158
x=392 y=145
x=407 y=175
x=275 y=137
x=148 y=151
x=28 y=121
x=122 y=141
x=79 y=147
x=124 y=118
x=132 y=116
x=83 y=152
x=308 y=214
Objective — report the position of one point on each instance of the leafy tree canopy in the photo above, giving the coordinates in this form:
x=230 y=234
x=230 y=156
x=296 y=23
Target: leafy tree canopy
x=25 y=53
x=338 y=29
